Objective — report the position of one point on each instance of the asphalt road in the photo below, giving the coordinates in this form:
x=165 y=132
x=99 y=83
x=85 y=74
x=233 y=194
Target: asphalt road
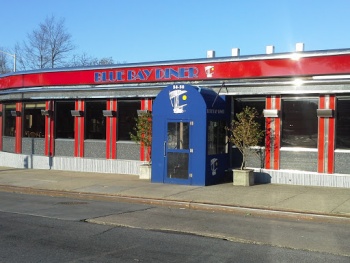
x=51 y=229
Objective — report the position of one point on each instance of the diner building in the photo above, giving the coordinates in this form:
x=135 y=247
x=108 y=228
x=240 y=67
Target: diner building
x=80 y=119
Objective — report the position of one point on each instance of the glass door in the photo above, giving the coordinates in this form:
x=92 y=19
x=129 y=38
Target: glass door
x=177 y=153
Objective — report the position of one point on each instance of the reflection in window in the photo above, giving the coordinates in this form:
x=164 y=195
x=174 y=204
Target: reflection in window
x=33 y=122
x=95 y=121
x=343 y=124
x=178 y=135
x=216 y=137
x=259 y=105
x=9 y=120
x=64 y=119
x=177 y=166
x=299 y=123
x=127 y=113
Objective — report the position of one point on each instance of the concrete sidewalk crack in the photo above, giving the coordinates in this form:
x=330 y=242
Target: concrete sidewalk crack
x=332 y=211
x=86 y=220
x=271 y=206
x=172 y=195
x=133 y=211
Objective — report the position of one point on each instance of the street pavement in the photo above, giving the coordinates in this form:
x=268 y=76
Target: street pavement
x=265 y=199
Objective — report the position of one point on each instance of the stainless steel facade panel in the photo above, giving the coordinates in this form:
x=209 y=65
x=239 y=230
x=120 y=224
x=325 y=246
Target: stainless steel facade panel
x=64 y=147
x=299 y=160
x=128 y=151
x=33 y=146
x=341 y=163
x=275 y=89
x=95 y=149
x=232 y=87
x=70 y=92
x=255 y=159
x=8 y=144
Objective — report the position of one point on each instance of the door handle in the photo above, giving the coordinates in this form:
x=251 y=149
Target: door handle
x=164 y=149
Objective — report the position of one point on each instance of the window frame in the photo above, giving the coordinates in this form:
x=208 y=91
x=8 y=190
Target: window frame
x=339 y=121
x=57 y=112
x=11 y=107
x=313 y=135
x=216 y=137
x=128 y=122
x=262 y=119
x=99 y=128
x=39 y=120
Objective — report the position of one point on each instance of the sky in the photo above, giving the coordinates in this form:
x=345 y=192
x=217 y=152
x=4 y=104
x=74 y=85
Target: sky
x=132 y=31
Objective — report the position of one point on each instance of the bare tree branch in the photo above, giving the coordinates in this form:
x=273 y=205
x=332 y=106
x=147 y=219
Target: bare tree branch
x=58 y=40
x=50 y=46
x=86 y=60
x=5 y=65
x=47 y=46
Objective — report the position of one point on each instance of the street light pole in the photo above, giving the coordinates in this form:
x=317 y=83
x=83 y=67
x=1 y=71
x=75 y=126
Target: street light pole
x=14 y=59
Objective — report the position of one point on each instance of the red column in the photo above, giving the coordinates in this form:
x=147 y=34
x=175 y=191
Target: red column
x=1 y=126
x=331 y=136
x=146 y=104
x=268 y=136
x=49 y=129
x=326 y=136
x=277 y=140
x=111 y=130
x=18 y=138
x=320 y=142
x=273 y=134
x=79 y=129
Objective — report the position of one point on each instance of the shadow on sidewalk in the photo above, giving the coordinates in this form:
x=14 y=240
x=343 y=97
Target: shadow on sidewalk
x=12 y=169
x=259 y=178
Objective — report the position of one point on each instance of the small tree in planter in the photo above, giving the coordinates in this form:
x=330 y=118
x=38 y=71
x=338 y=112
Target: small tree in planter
x=143 y=135
x=245 y=132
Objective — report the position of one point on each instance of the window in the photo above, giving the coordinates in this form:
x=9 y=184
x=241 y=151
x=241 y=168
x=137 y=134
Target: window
x=216 y=137
x=258 y=104
x=343 y=124
x=299 y=122
x=127 y=112
x=178 y=135
x=9 y=120
x=95 y=121
x=33 y=122
x=64 y=119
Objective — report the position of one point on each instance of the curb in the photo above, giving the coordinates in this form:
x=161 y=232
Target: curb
x=234 y=209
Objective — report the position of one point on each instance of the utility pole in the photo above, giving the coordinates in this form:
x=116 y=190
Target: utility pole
x=14 y=59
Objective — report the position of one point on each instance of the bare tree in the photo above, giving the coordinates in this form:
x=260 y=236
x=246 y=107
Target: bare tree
x=5 y=63
x=48 y=46
x=86 y=60
x=58 y=40
x=22 y=63
x=80 y=60
x=106 y=61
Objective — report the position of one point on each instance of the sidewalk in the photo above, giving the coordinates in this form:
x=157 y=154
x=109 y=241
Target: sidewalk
x=270 y=199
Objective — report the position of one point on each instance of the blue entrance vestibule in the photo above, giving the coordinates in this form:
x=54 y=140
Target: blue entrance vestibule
x=189 y=138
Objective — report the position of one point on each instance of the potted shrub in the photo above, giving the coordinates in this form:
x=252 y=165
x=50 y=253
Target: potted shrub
x=245 y=132
x=143 y=135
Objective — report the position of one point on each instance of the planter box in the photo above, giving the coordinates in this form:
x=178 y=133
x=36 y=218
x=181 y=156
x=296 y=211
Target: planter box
x=145 y=171
x=243 y=177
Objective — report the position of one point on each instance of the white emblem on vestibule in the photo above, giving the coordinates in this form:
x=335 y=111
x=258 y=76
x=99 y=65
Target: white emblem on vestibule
x=174 y=97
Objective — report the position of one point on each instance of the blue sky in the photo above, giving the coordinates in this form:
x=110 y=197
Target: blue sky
x=156 y=30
